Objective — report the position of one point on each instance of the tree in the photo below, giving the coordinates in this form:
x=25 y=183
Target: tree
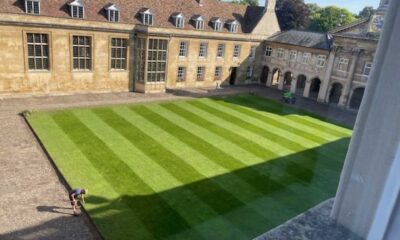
x=292 y=14
x=366 y=12
x=246 y=2
x=313 y=8
x=330 y=17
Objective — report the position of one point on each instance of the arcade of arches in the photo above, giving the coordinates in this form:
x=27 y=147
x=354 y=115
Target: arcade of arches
x=309 y=88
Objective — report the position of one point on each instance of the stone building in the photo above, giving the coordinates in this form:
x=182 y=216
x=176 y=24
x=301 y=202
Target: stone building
x=70 y=46
x=63 y=46
x=296 y=61
x=331 y=68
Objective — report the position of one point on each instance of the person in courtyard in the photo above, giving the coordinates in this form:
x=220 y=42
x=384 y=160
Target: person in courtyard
x=76 y=195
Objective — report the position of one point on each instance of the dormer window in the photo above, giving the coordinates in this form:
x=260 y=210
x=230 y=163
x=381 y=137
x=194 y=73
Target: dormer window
x=77 y=9
x=179 y=20
x=233 y=26
x=217 y=24
x=113 y=13
x=198 y=22
x=147 y=17
x=32 y=6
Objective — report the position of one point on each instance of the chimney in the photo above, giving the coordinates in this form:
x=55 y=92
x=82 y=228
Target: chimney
x=270 y=5
x=200 y=2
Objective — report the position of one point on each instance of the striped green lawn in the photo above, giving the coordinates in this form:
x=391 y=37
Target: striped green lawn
x=223 y=168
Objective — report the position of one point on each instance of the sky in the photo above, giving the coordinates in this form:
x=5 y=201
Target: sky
x=354 y=6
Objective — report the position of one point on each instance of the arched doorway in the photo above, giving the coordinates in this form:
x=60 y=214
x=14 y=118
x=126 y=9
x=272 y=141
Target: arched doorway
x=314 y=88
x=264 y=75
x=287 y=81
x=276 y=75
x=356 y=98
x=336 y=92
x=301 y=85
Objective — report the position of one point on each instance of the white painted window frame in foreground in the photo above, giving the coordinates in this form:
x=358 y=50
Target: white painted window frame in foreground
x=387 y=203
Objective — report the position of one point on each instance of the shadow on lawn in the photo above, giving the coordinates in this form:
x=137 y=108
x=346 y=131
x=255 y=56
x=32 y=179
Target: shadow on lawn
x=289 y=186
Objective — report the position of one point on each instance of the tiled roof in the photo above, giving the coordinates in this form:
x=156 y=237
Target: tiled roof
x=302 y=38
x=247 y=16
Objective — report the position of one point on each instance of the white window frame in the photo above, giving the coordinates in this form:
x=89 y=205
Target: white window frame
x=280 y=53
x=199 y=24
x=218 y=73
x=343 y=64
x=35 y=5
x=218 y=26
x=113 y=15
x=201 y=73
x=367 y=68
x=181 y=74
x=268 y=51
x=179 y=22
x=233 y=28
x=203 y=46
x=183 y=49
x=147 y=18
x=249 y=72
x=293 y=55
x=236 y=51
x=306 y=58
x=221 y=50
x=321 y=61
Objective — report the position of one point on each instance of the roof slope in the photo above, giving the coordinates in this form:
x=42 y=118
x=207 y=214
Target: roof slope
x=302 y=38
x=248 y=17
x=357 y=29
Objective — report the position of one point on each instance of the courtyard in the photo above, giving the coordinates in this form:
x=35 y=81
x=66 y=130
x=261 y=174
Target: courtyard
x=226 y=167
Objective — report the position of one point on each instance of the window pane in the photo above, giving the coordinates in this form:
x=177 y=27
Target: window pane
x=31 y=63
x=31 y=51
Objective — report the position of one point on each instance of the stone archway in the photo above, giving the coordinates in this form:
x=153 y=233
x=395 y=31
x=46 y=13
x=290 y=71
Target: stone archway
x=314 y=88
x=287 y=81
x=301 y=84
x=276 y=77
x=356 y=98
x=264 y=75
x=335 y=93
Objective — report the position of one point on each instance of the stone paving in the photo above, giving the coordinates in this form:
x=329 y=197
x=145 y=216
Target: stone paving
x=34 y=201
x=314 y=224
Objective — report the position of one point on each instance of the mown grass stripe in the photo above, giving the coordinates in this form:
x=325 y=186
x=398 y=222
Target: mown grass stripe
x=233 y=150
x=268 y=134
x=172 y=163
x=303 y=165
x=279 y=123
x=250 y=140
x=298 y=115
x=205 y=188
x=279 y=116
x=255 y=178
x=152 y=210
x=155 y=176
x=270 y=119
x=167 y=125
x=107 y=213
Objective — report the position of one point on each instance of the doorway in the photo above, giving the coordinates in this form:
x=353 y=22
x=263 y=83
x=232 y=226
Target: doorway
x=232 y=79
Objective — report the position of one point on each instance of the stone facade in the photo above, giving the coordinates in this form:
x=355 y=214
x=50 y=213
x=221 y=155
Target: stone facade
x=348 y=60
x=328 y=67
x=61 y=77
